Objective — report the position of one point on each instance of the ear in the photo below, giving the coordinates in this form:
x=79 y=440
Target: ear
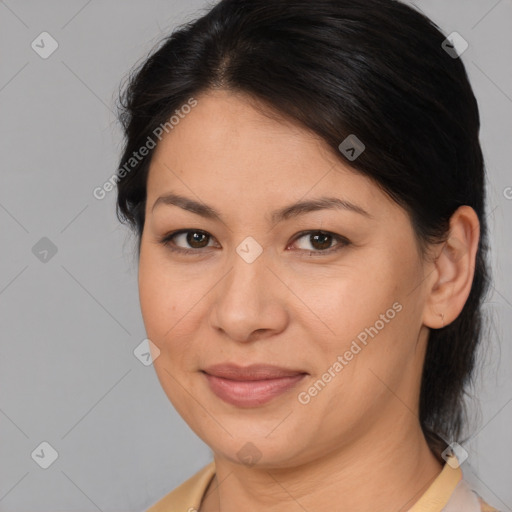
x=450 y=281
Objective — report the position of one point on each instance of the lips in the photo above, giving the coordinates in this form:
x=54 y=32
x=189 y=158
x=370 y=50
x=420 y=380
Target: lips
x=250 y=386
x=252 y=372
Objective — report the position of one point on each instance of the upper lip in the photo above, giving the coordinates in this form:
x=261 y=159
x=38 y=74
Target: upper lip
x=252 y=372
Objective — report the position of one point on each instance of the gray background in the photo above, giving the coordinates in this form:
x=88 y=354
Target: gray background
x=70 y=323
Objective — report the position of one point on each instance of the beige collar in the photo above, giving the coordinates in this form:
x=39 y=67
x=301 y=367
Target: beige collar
x=189 y=494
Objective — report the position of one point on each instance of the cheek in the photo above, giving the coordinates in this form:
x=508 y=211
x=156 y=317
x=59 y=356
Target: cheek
x=353 y=300
x=158 y=296
x=371 y=314
x=171 y=306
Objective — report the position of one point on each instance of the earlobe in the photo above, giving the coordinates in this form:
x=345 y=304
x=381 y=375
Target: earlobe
x=454 y=270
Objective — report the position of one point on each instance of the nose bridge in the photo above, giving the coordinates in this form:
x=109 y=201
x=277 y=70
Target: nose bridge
x=244 y=283
x=246 y=300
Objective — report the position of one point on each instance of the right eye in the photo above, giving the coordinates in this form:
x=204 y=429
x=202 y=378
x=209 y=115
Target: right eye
x=195 y=238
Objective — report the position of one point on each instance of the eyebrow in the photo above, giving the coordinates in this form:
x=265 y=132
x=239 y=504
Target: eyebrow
x=293 y=210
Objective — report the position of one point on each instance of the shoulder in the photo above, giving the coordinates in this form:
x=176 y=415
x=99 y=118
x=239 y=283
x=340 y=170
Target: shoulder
x=187 y=496
x=485 y=507
x=450 y=492
x=467 y=499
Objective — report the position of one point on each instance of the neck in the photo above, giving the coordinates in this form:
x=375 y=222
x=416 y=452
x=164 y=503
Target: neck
x=389 y=474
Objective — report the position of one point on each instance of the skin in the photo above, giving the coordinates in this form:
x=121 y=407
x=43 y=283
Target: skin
x=357 y=443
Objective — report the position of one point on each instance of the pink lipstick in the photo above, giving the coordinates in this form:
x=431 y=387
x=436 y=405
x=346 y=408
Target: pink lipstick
x=250 y=386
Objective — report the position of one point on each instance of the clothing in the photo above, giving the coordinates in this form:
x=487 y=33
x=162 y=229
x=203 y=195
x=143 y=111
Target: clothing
x=449 y=492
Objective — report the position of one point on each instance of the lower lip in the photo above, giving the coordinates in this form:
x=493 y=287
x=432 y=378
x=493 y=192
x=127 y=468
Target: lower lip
x=251 y=393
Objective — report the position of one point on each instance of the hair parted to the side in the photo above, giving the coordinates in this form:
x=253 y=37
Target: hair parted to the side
x=373 y=68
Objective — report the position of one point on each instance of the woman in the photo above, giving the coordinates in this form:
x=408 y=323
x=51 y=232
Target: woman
x=307 y=187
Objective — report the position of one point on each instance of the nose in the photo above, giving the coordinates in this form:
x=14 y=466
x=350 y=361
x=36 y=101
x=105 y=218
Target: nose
x=249 y=302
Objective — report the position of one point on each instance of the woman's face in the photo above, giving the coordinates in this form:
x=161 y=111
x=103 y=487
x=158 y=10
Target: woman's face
x=340 y=311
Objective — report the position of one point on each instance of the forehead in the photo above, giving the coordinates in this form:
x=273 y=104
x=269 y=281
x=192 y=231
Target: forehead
x=224 y=124
x=228 y=146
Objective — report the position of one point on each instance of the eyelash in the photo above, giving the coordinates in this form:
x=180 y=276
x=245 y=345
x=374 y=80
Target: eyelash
x=342 y=242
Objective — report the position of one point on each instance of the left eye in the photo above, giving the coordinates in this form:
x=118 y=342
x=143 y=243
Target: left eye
x=321 y=241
